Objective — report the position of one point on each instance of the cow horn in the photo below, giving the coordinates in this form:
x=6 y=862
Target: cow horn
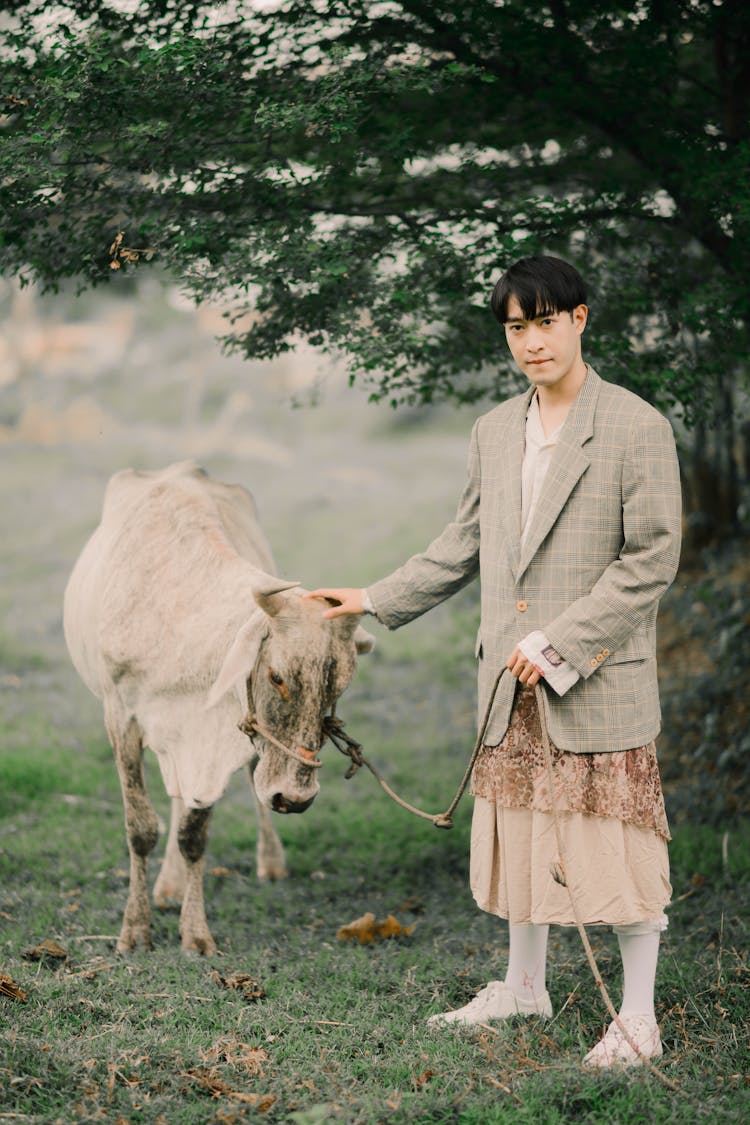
x=266 y=590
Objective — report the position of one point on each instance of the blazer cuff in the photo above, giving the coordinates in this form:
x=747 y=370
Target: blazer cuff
x=559 y=674
x=367 y=605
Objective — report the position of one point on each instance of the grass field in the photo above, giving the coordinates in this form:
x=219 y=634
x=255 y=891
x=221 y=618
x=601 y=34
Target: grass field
x=340 y=1033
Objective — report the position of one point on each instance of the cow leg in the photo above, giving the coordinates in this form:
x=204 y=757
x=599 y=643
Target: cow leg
x=270 y=860
x=142 y=830
x=191 y=837
x=170 y=886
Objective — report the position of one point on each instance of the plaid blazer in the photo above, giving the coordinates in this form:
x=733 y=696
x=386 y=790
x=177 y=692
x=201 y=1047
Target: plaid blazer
x=602 y=548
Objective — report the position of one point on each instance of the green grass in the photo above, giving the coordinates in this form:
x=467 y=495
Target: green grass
x=341 y=1034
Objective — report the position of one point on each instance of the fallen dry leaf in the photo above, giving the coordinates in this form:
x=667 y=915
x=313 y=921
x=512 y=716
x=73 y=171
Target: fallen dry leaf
x=393 y=928
x=261 y=1102
x=413 y=905
x=48 y=951
x=210 y=1081
x=9 y=988
x=235 y=1053
x=221 y=872
x=420 y=1080
x=367 y=929
x=250 y=988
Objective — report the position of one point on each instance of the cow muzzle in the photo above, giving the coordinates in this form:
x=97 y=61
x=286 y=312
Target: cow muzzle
x=282 y=804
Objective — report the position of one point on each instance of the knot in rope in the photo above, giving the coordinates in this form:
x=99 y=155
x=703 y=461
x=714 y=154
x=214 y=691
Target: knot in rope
x=333 y=728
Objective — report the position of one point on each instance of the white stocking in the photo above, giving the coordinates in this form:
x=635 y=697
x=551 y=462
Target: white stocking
x=639 y=952
x=527 y=963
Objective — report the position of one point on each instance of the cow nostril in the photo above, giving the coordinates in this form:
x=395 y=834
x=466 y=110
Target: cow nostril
x=281 y=804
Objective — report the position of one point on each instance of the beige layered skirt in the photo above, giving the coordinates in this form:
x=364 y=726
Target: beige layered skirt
x=612 y=820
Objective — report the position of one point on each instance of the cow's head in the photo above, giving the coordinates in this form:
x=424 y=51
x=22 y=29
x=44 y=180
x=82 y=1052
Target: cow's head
x=295 y=663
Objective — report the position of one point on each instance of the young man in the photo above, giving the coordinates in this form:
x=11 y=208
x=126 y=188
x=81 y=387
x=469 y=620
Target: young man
x=571 y=517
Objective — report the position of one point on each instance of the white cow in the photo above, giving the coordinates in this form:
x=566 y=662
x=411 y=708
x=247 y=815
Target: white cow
x=173 y=619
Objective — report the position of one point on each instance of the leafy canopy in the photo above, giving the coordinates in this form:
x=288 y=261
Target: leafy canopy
x=359 y=173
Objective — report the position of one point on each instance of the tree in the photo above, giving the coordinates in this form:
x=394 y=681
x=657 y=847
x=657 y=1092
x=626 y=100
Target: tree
x=358 y=172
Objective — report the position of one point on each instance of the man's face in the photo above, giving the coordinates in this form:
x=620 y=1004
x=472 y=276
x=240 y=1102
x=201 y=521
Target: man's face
x=548 y=348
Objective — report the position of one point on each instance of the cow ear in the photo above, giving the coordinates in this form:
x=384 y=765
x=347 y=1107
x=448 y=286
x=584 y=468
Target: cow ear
x=240 y=660
x=267 y=593
x=364 y=641
x=349 y=627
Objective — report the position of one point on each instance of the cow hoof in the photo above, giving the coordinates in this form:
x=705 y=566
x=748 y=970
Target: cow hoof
x=167 y=898
x=169 y=889
x=133 y=936
x=204 y=946
x=270 y=872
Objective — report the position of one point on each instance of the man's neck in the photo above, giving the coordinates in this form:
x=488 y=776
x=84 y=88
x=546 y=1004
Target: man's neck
x=555 y=401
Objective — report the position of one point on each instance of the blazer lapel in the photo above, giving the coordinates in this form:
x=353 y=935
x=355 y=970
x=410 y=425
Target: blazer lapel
x=569 y=463
x=514 y=441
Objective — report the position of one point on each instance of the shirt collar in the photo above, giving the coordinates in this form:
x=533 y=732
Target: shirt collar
x=534 y=429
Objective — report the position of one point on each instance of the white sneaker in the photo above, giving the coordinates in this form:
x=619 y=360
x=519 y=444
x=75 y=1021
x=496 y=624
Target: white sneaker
x=495 y=1002
x=614 y=1050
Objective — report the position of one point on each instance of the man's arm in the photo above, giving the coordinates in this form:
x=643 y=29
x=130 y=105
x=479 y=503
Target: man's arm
x=449 y=563
x=431 y=576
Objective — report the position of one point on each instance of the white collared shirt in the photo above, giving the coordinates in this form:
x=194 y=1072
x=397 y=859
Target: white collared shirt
x=536 y=459
x=558 y=673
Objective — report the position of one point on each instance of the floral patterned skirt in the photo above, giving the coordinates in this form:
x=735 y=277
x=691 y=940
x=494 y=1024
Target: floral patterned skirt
x=612 y=820
x=624 y=784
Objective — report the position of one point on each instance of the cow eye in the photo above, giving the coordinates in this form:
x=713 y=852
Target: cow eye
x=275 y=678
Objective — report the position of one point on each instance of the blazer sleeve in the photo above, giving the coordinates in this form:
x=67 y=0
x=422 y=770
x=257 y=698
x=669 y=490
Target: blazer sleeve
x=448 y=564
x=628 y=591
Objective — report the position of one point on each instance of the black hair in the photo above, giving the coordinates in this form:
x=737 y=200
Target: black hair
x=542 y=285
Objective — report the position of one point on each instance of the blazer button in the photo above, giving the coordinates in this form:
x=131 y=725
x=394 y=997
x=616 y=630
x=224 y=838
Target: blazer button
x=522 y=606
x=593 y=662
x=599 y=657
x=605 y=652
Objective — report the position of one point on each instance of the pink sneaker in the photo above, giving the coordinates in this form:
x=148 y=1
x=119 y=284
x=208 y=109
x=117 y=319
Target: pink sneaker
x=614 y=1050
x=495 y=1002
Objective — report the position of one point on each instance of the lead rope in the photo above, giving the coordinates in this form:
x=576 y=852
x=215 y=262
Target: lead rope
x=333 y=728
x=559 y=874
